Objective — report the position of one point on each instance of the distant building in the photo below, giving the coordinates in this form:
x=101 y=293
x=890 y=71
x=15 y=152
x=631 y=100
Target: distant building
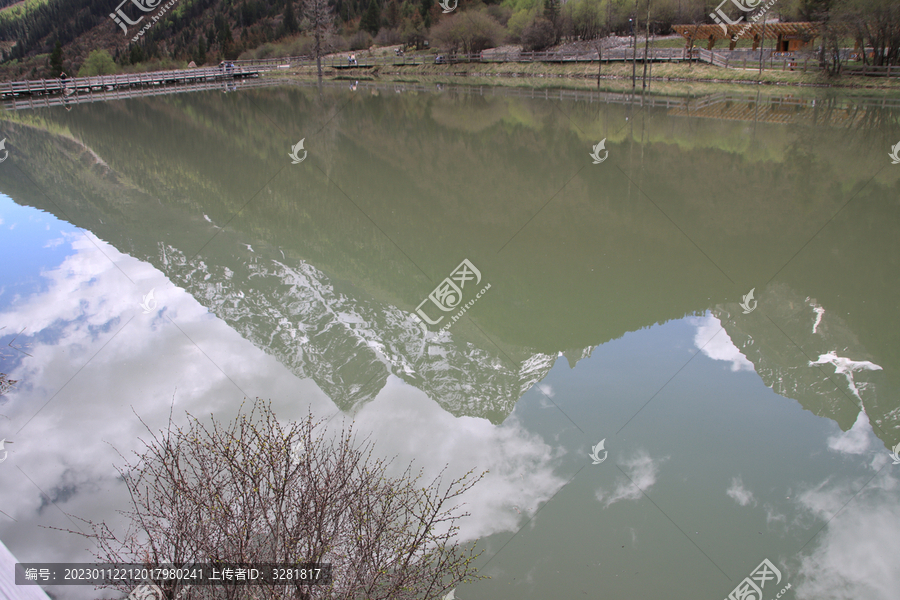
x=789 y=37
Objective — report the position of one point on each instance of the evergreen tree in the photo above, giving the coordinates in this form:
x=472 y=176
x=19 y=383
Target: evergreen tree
x=56 y=60
x=290 y=20
x=201 y=51
x=371 y=21
x=551 y=10
x=392 y=13
x=223 y=30
x=136 y=55
x=425 y=11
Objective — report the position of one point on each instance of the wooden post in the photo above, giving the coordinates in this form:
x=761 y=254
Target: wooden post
x=762 y=46
x=646 y=48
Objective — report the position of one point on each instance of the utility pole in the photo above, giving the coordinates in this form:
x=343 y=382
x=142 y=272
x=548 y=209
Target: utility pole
x=633 y=49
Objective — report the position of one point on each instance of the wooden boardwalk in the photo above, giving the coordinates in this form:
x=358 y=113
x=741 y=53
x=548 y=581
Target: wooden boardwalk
x=86 y=85
x=26 y=102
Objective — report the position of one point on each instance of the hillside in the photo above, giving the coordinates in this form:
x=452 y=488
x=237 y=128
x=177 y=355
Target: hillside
x=179 y=31
x=42 y=38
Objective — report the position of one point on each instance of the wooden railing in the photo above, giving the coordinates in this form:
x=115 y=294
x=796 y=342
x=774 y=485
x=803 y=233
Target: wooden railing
x=85 y=84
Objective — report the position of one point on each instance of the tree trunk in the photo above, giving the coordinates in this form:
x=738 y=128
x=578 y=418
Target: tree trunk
x=318 y=51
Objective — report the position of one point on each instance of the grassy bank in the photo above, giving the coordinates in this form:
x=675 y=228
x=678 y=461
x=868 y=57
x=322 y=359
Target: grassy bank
x=584 y=75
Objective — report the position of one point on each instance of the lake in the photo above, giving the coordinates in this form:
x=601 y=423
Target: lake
x=676 y=351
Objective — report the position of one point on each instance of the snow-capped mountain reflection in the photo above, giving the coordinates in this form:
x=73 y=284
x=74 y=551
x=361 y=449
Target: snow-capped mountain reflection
x=349 y=345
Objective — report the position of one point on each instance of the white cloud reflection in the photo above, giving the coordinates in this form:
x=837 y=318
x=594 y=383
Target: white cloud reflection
x=409 y=424
x=856 y=440
x=718 y=346
x=739 y=493
x=642 y=471
x=97 y=356
x=855 y=555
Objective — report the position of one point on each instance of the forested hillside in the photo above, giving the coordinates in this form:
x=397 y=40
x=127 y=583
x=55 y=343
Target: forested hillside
x=41 y=38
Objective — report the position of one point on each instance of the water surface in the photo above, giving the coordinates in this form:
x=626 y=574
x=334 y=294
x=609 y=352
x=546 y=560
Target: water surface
x=613 y=314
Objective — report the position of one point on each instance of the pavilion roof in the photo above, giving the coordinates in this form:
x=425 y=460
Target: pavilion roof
x=747 y=30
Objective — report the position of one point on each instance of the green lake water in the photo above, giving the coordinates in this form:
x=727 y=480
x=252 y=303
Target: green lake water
x=612 y=312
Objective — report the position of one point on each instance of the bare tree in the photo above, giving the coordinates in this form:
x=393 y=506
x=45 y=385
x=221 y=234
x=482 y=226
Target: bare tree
x=875 y=24
x=6 y=383
x=321 y=20
x=257 y=491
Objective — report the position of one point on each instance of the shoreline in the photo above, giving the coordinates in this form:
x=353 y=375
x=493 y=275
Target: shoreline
x=585 y=75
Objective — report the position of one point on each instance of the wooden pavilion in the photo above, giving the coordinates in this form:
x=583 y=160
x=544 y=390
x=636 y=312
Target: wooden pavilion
x=789 y=37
